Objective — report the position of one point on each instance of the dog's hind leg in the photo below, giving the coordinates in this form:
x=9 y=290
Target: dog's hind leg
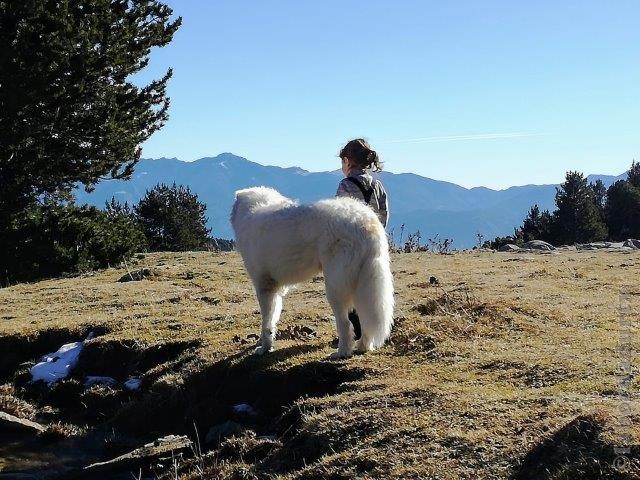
x=270 y=300
x=340 y=306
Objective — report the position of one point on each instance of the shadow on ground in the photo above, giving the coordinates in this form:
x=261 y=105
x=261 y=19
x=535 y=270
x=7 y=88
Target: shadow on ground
x=577 y=451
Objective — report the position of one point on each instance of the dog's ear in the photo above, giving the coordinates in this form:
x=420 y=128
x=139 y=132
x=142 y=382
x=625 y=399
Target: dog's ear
x=240 y=193
x=251 y=197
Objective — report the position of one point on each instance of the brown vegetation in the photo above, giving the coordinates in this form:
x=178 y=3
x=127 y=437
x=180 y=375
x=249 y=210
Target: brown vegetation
x=505 y=368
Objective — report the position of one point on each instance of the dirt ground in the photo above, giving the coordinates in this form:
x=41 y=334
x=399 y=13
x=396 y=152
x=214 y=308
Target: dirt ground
x=501 y=366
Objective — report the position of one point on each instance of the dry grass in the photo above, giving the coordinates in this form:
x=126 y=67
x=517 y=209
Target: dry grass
x=506 y=361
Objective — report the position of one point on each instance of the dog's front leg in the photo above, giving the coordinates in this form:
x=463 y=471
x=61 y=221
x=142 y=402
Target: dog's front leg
x=270 y=308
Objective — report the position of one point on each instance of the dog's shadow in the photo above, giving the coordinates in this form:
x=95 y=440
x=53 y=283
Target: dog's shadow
x=207 y=394
x=246 y=357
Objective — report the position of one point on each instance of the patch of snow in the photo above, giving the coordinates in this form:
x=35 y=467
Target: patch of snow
x=132 y=383
x=58 y=365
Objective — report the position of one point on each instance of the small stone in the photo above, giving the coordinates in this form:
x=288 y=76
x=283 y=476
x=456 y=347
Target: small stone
x=136 y=276
x=538 y=245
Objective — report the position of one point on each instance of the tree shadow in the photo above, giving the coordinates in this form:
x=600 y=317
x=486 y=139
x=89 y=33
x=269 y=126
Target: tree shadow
x=577 y=451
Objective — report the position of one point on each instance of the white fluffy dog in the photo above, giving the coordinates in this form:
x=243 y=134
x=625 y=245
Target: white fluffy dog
x=283 y=243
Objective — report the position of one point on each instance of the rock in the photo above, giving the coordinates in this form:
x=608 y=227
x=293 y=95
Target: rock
x=600 y=246
x=596 y=245
x=633 y=243
x=219 y=432
x=509 y=247
x=584 y=246
x=11 y=423
x=139 y=456
x=538 y=245
x=136 y=276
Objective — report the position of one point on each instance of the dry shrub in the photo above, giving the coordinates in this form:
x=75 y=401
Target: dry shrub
x=11 y=404
x=464 y=314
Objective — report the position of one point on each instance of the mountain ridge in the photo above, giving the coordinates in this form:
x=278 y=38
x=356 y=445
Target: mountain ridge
x=435 y=207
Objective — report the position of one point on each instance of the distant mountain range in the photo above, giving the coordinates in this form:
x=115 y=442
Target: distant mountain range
x=434 y=207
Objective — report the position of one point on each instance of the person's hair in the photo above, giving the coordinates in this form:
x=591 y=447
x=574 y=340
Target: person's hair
x=361 y=155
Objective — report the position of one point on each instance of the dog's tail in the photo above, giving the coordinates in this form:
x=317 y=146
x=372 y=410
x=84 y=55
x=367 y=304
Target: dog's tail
x=373 y=297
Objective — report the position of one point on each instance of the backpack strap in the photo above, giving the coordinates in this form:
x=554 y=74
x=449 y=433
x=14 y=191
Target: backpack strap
x=366 y=192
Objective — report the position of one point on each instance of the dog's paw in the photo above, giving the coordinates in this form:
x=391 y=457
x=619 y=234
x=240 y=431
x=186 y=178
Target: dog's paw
x=360 y=347
x=262 y=350
x=339 y=355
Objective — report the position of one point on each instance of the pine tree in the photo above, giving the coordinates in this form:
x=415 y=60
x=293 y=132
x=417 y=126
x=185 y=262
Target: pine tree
x=599 y=192
x=600 y=197
x=115 y=209
x=173 y=219
x=68 y=110
x=623 y=210
x=577 y=218
x=633 y=175
x=537 y=225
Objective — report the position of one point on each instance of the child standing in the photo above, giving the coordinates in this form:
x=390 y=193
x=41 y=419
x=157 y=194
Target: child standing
x=358 y=159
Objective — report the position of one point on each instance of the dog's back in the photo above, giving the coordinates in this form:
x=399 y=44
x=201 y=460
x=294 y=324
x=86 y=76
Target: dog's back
x=264 y=222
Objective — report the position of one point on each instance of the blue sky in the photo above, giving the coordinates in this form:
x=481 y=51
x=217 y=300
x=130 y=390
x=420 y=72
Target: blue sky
x=493 y=93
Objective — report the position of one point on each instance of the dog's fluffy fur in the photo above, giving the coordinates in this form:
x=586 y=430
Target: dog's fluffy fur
x=283 y=243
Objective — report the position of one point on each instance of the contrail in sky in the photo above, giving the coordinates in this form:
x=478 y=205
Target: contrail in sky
x=454 y=138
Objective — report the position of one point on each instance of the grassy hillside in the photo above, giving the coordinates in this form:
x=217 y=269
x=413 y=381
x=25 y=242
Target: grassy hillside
x=504 y=369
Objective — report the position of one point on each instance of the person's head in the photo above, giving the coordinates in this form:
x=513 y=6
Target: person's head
x=358 y=154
